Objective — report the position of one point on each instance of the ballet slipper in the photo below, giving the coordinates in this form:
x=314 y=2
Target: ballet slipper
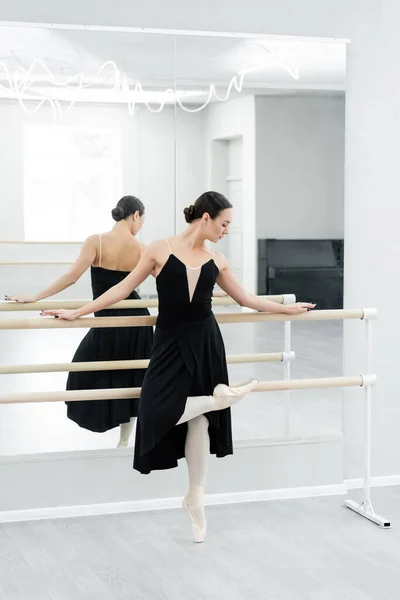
x=198 y=527
x=225 y=395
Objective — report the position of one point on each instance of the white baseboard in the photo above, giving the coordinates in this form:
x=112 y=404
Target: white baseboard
x=382 y=481
x=210 y=500
x=169 y=503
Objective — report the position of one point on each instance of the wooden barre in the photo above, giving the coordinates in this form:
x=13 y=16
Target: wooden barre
x=144 y=303
x=145 y=321
x=38 y=242
x=123 y=393
x=119 y=365
x=35 y=262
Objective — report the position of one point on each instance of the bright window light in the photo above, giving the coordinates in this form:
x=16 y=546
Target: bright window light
x=72 y=176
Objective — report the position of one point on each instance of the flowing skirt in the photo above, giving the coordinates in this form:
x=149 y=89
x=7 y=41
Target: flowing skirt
x=186 y=361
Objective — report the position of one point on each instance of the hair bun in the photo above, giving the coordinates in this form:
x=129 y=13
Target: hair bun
x=189 y=212
x=117 y=213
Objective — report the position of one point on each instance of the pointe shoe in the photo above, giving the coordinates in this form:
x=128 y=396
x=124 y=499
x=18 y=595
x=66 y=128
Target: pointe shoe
x=225 y=395
x=198 y=532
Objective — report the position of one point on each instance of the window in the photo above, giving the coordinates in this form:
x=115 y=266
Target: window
x=72 y=179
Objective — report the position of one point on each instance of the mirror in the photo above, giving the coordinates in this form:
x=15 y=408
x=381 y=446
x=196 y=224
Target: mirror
x=262 y=121
x=86 y=117
x=166 y=118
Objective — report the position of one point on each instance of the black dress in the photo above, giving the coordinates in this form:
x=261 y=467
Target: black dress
x=188 y=359
x=122 y=343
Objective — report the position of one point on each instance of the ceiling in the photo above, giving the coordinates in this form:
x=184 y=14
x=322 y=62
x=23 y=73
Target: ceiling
x=158 y=61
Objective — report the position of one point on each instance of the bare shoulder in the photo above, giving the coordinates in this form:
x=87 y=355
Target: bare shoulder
x=220 y=260
x=156 y=248
x=92 y=241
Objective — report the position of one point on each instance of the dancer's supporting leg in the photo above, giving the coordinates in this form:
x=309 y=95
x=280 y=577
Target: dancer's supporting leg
x=125 y=430
x=197 y=450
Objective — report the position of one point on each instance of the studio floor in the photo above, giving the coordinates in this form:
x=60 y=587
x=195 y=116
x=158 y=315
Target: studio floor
x=309 y=549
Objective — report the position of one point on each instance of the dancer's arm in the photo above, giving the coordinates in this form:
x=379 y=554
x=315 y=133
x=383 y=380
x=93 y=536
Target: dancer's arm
x=233 y=288
x=153 y=273
x=119 y=292
x=86 y=258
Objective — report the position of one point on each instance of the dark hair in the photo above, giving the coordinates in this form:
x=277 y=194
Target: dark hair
x=126 y=207
x=212 y=203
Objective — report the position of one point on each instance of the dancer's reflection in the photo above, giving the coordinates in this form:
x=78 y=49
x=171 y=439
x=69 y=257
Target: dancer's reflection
x=111 y=257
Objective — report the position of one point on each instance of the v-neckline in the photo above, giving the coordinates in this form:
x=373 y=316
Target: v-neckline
x=200 y=269
x=191 y=268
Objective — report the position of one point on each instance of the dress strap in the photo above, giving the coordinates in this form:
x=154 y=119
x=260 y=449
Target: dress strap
x=169 y=246
x=100 y=250
x=212 y=253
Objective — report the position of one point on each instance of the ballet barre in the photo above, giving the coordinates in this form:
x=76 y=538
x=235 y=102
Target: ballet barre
x=29 y=263
x=120 y=365
x=143 y=303
x=365 y=508
x=124 y=393
x=27 y=242
x=148 y=321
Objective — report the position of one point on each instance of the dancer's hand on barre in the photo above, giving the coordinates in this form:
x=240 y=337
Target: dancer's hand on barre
x=68 y=315
x=21 y=298
x=299 y=307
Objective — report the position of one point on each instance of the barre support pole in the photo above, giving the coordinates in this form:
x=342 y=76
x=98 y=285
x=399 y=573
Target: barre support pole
x=365 y=508
x=286 y=373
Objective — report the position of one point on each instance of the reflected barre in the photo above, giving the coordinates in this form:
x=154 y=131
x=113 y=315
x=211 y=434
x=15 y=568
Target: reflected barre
x=121 y=393
x=42 y=242
x=120 y=365
x=146 y=321
x=143 y=303
x=29 y=263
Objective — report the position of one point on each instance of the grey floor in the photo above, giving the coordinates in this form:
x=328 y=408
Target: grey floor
x=280 y=550
x=35 y=428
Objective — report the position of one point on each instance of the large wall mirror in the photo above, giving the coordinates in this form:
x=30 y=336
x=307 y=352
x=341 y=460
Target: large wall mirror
x=263 y=122
x=89 y=116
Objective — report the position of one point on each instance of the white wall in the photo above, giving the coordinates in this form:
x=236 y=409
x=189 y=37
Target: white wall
x=156 y=171
x=300 y=166
x=190 y=161
x=234 y=119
